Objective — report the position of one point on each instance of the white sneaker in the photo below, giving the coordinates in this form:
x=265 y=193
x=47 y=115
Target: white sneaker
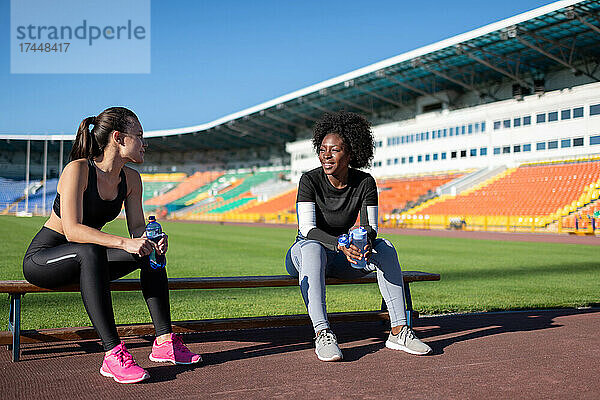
x=326 y=346
x=406 y=341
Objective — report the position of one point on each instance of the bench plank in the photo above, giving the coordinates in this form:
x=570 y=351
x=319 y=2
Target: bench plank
x=125 y=285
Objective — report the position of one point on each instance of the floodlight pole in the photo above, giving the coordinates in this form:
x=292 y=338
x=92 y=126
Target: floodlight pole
x=44 y=176
x=27 y=175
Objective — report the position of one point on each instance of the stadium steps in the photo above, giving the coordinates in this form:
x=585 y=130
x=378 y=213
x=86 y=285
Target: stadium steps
x=469 y=180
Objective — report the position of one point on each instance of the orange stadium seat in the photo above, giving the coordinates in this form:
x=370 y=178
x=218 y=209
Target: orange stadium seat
x=395 y=193
x=530 y=190
x=281 y=203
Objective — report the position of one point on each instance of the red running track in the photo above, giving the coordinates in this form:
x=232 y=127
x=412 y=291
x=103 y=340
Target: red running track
x=528 y=354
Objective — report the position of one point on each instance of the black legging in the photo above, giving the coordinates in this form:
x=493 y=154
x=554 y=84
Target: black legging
x=51 y=261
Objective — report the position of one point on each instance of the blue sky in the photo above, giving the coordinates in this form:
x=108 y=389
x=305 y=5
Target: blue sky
x=213 y=58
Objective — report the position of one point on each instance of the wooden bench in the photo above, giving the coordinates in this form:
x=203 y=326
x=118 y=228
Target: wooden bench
x=17 y=289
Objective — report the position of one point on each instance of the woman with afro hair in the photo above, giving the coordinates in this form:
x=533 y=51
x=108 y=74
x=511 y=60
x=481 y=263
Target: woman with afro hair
x=329 y=201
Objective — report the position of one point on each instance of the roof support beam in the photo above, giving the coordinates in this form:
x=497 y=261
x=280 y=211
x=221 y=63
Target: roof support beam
x=318 y=107
x=212 y=136
x=586 y=23
x=282 y=120
x=254 y=133
x=376 y=95
x=555 y=58
x=350 y=103
x=239 y=134
x=284 y=132
x=453 y=80
x=461 y=50
x=412 y=88
x=294 y=112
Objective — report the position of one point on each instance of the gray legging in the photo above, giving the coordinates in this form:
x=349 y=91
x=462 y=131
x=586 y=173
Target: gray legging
x=311 y=262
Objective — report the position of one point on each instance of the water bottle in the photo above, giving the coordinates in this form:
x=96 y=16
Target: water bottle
x=154 y=233
x=358 y=238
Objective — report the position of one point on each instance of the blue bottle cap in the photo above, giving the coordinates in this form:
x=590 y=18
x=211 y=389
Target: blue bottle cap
x=343 y=240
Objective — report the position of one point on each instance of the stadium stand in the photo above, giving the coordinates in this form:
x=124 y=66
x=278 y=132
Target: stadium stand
x=398 y=193
x=10 y=190
x=187 y=186
x=285 y=202
x=542 y=192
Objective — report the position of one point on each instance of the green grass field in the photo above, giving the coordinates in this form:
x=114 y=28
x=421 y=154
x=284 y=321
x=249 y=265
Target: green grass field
x=477 y=275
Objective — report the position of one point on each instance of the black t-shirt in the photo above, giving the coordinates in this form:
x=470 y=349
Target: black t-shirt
x=335 y=210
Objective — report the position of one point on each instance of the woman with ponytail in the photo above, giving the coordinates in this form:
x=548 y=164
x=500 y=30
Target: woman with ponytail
x=71 y=248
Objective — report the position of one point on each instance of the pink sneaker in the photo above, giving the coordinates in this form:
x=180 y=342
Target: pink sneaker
x=119 y=365
x=173 y=351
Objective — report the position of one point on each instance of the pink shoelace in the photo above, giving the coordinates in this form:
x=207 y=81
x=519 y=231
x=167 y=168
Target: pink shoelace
x=124 y=357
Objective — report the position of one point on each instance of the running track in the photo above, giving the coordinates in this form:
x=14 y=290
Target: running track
x=511 y=355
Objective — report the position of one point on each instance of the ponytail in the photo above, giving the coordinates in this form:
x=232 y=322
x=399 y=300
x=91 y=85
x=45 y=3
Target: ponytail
x=85 y=145
x=90 y=143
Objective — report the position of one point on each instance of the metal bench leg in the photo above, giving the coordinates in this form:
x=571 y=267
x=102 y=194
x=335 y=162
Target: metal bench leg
x=14 y=325
x=409 y=306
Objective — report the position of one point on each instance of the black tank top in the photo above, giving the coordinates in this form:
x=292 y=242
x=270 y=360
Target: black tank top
x=96 y=211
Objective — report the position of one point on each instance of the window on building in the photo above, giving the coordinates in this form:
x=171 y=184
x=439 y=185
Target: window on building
x=595 y=109
x=473 y=152
x=419 y=158
x=517 y=148
x=389 y=141
x=443 y=154
x=565 y=143
x=527 y=147
x=527 y=120
x=483 y=151
x=496 y=150
x=462 y=130
x=476 y=127
x=517 y=122
x=553 y=144
x=395 y=161
x=470 y=129
x=553 y=116
x=453 y=154
x=594 y=140
x=463 y=153
x=540 y=146
x=540 y=118
x=427 y=157
x=410 y=159
x=506 y=123
x=403 y=160
x=445 y=132
x=505 y=149
x=497 y=125
x=578 y=142
x=389 y=161
x=565 y=114
x=451 y=131
x=578 y=112
x=482 y=126
x=435 y=156
x=439 y=133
